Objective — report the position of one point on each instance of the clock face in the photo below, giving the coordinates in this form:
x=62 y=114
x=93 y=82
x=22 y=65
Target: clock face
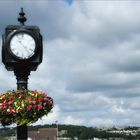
x=22 y=45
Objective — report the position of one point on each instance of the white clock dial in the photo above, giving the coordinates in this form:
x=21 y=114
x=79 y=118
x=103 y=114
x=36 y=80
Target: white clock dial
x=22 y=45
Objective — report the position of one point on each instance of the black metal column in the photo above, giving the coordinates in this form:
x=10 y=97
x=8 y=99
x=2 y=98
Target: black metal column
x=22 y=82
x=22 y=65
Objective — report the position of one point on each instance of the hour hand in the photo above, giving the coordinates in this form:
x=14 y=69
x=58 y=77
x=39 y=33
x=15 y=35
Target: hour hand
x=20 y=42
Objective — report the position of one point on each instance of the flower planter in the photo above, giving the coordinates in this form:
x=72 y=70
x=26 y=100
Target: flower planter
x=23 y=106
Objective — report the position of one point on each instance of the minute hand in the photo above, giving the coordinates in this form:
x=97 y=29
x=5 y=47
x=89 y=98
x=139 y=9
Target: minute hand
x=24 y=46
x=26 y=49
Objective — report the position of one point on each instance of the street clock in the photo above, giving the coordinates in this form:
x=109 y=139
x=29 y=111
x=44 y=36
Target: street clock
x=22 y=53
x=21 y=46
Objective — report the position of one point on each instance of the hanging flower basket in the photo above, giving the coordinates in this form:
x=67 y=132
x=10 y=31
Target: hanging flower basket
x=23 y=106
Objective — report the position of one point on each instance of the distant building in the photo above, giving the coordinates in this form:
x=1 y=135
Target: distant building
x=43 y=134
x=63 y=138
x=11 y=138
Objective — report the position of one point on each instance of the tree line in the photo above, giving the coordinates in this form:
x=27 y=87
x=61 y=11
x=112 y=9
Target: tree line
x=80 y=132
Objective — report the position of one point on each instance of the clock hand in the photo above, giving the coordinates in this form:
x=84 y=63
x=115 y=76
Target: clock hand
x=25 y=47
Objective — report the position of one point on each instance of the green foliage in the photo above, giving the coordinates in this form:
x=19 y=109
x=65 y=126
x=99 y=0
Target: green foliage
x=2 y=138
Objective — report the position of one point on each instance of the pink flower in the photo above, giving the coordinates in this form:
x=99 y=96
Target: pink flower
x=39 y=107
x=46 y=99
x=32 y=102
x=39 y=99
x=44 y=94
x=5 y=107
x=10 y=102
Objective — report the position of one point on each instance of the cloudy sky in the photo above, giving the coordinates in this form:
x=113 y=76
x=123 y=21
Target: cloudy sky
x=91 y=62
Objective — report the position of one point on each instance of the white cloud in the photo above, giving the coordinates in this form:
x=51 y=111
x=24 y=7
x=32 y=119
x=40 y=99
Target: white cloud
x=73 y=120
x=91 y=59
x=119 y=110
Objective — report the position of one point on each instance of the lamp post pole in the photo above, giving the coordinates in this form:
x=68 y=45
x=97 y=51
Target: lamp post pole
x=22 y=50
x=22 y=82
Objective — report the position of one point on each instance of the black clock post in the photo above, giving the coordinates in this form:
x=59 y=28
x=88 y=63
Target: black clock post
x=22 y=53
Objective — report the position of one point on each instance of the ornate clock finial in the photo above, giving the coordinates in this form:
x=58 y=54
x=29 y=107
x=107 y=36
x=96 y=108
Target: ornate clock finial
x=22 y=18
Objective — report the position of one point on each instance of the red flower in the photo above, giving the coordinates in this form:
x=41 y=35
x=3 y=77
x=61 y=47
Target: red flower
x=35 y=92
x=39 y=99
x=29 y=107
x=4 y=101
